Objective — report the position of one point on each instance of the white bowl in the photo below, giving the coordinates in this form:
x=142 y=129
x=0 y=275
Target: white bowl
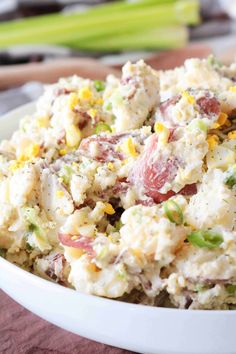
x=135 y=327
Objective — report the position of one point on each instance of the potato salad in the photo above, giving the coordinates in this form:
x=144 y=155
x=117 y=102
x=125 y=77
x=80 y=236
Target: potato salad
x=126 y=188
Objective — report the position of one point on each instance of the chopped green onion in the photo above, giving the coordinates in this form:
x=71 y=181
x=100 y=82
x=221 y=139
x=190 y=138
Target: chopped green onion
x=199 y=288
x=67 y=172
x=118 y=224
x=173 y=212
x=231 y=289
x=122 y=273
x=198 y=124
x=213 y=61
x=34 y=222
x=99 y=85
x=230 y=179
x=103 y=253
x=28 y=247
x=2 y=252
x=149 y=116
x=102 y=127
x=206 y=239
x=108 y=106
x=25 y=267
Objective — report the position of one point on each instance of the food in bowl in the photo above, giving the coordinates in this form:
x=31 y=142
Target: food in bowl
x=126 y=188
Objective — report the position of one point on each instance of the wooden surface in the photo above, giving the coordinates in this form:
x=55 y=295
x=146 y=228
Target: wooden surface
x=51 y=71
x=22 y=332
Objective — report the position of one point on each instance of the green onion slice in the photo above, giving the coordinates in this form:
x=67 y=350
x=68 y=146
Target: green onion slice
x=67 y=172
x=230 y=180
x=199 y=288
x=207 y=239
x=214 y=62
x=173 y=212
x=231 y=289
x=99 y=85
x=108 y=106
x=2 y=252
x=28 y=247
x=198 y=124
x=102 y=127
x=118 y=224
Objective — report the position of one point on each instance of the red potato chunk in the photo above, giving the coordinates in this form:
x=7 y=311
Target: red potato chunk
x=152 y=170
x=82 y=242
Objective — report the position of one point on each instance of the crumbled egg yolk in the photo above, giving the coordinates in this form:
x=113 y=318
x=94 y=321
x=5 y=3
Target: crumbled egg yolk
x=228 y=123
x=188 y=97
x=85 y=93
x=73 y=136
x=212 y=140
x=223 y=117
x=232 y=135
x=137 y=252
x=232 y=89
x=62 y=152
x=110 y=238
x=163 y=133
x=108 y=209
x=73 y=100
x=124 y=162
x=15 y=165
x=42 y=122
x=74 y=238
x=99 y=101
x=128 y=147
x=185 y=174
x=215 y=125
x=34 y=150
x=75 y=164
x=111 y=166
x=93 y=268
x=60 y=194
x=92 y=112
x=29 y=152
x=159 y=127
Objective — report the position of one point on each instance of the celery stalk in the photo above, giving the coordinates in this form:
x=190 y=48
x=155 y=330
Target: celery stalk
x=61 y=29
x=95 y=12
x=161 y=38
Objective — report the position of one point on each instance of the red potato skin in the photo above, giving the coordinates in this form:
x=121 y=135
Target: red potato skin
x=106 y=148
x=207 y=105
x=151 y=172
x=82 y=242
x=164 y=108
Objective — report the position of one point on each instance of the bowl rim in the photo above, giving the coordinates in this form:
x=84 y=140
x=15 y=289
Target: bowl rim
x=44 y=283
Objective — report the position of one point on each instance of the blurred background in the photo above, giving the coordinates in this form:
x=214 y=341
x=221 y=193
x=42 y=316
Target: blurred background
x=42 y=40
